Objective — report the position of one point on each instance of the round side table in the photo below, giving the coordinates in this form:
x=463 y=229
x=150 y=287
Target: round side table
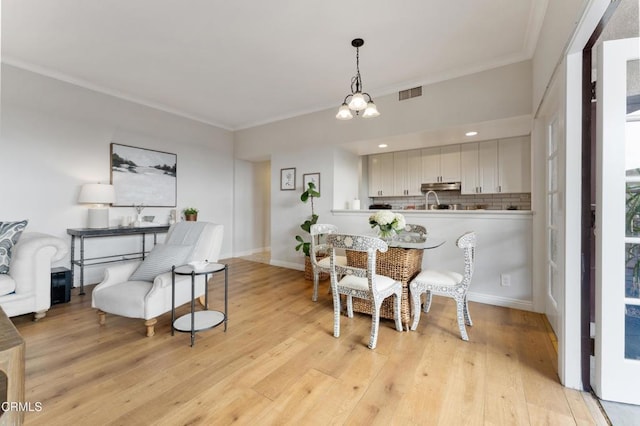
x=198 y=320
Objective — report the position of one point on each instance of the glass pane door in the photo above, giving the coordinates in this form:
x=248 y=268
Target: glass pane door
x=617 y=356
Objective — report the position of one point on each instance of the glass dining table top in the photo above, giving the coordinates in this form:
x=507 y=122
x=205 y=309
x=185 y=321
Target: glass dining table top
x=415 y=241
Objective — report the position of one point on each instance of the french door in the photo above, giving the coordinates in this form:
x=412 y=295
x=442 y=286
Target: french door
x=617 y=341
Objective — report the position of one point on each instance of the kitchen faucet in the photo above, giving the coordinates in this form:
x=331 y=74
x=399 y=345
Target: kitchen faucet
x=426 y=205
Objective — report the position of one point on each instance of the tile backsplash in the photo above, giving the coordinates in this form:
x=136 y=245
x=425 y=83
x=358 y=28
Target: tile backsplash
x=520 y=201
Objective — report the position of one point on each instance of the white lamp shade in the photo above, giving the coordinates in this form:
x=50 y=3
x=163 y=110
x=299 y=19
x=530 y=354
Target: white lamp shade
x=371 y=111
x=97 y=193
x=357 y=102
x=344 y=113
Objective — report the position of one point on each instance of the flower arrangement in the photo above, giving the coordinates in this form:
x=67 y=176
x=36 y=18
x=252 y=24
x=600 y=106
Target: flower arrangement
x=388 y=222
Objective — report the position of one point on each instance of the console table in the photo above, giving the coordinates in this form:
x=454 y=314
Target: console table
x=83 y=233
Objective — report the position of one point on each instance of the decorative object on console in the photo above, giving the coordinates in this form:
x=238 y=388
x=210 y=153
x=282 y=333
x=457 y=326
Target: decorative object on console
x=288 y=179
x=143 y=176
x=357 y=102
x=388 y=223
x=190 y=214
x=9 y=234
x=97 y=194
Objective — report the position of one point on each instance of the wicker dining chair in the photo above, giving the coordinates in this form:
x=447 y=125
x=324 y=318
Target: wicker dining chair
x=317 y=232
x=446 y=283
x=362 y=283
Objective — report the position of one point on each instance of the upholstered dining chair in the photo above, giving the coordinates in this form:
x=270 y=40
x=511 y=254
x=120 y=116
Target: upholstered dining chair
x=363 y=283
x=447 y=283
x=143 y=289
x=318 y=231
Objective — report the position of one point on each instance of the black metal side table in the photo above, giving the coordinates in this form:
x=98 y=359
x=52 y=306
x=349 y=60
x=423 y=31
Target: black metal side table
x=198 y=320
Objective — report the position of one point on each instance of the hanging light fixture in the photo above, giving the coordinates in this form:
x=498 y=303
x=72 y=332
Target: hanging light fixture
x=357 y=99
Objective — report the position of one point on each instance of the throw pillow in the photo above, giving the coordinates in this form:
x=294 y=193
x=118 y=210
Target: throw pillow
x=161 y=258
x=9 y=234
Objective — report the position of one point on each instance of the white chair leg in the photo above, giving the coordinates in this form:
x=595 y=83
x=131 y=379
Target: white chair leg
x=396 y=313
x=427 y=301
x=375 y=323
x=349 y=306
x=415 y=300
x=336 y=314
x=460 y=314
x=467 y=316
x=314 y=298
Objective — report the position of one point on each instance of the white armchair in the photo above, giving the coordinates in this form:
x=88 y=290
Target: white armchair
x=125 y=290
x=28 y=282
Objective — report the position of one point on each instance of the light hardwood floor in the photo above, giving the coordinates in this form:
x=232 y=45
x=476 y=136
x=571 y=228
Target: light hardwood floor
x=278 y=363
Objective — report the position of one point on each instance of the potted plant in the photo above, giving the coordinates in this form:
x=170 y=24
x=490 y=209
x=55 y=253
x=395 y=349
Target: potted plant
x=309 y=194
x=190 y=214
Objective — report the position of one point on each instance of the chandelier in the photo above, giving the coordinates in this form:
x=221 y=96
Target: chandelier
x=356 y=99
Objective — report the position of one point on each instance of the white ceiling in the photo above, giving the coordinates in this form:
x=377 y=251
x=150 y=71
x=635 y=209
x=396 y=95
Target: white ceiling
x=236 y=64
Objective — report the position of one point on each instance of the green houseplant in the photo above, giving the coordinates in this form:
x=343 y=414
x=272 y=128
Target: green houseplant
x=190 y=214
x=309 y=194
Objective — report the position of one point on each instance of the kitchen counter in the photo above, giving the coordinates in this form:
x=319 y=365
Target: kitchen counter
x=441 y=213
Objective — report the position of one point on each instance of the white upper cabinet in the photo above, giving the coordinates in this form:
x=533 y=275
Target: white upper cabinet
x=407 y=166
x=381 y=175
x=496 y=166
x=441 y=164
x=514 y=165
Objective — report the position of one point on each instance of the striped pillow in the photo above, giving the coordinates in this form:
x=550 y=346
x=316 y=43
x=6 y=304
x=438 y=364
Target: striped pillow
x=9 y=234
x=160 y=260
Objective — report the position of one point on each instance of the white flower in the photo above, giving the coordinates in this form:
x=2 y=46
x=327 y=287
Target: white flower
x=400 y=222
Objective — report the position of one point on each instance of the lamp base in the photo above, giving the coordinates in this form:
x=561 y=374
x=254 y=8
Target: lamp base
x=98 y=217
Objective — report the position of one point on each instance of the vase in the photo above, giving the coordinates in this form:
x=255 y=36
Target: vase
x=191 y=217
x=386 y=234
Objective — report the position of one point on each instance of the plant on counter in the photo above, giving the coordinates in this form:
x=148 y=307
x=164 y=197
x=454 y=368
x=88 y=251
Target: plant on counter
x=307 y=195
x=388 y=223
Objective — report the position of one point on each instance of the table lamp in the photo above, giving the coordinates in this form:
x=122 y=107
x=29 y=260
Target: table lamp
x=97 y=194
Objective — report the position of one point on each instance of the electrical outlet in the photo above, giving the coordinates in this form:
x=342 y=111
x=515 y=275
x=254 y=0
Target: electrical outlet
x=505 y=280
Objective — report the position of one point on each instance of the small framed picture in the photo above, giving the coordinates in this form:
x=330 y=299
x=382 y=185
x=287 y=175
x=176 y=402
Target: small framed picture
x=288 y=179
x=311 y=177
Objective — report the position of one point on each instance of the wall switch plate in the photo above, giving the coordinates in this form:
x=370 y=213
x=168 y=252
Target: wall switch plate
x=505 y=280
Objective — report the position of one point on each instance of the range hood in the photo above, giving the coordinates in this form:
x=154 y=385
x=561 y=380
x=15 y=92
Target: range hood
x=440 y=186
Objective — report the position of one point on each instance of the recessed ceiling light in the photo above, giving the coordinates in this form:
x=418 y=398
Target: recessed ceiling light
x=471 y=133
x=382 y=145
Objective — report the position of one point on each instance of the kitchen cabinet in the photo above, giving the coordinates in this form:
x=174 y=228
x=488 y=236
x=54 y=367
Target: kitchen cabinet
x=496 y=166
x=514 y=165
x=381 y=175
x=479 y=163
x=441 y=164
x=407 y=166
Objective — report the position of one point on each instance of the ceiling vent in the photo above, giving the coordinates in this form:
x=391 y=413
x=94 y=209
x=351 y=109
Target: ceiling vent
x=410 y=93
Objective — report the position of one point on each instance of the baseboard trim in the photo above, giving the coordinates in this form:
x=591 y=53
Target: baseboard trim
x=489 y=299
x=289 y=265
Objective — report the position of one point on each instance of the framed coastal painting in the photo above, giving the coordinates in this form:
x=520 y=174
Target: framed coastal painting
x=311 y=177
x=143 y=176
x=288 y=179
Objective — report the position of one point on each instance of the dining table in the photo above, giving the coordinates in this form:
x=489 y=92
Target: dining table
x=402 y=262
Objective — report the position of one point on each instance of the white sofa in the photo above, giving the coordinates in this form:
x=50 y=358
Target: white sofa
x=27 y=286
x=120 y=293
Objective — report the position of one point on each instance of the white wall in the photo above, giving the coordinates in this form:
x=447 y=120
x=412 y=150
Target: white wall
x=56 y=136
x=347 y=178
x=252 y=195
x=489 y=95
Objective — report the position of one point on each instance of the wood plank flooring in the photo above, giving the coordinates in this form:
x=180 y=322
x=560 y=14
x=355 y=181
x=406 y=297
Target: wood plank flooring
x=278 y=363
